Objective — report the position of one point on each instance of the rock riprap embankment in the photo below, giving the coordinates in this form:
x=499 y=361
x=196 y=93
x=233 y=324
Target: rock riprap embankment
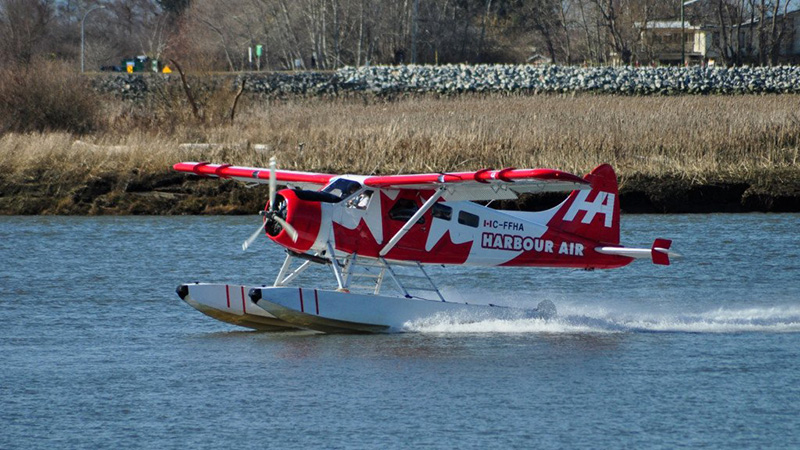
x=557 y=79
x=454 y=79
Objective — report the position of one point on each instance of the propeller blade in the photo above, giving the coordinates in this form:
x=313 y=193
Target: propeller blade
x=272 y=183
x=289 y=229
x=246 y=244
x=273 y=209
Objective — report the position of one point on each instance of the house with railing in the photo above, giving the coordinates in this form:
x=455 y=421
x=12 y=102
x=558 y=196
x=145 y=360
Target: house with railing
x=674 y=42
x=766 y=37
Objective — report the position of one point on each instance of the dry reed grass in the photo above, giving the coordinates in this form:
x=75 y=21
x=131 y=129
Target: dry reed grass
x=44 y=96
x=690 y=136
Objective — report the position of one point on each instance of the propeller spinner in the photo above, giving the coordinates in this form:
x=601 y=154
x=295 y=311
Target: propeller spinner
x=275 y=216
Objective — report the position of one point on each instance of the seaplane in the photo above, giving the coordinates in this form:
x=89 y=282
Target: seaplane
x=378 y=233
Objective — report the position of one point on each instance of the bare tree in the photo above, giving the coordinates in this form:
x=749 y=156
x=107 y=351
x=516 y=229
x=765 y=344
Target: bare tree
x=750 y=31
x=24 y=28
x=544 y=18
x=135 y=27
x=730 y=15
x=590 y=36
x=214 y=33
x=610 y=11
x=567 y=23
x=772 y=27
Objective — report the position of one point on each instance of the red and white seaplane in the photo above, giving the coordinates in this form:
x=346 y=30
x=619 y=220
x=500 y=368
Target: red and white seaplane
x=373 y=229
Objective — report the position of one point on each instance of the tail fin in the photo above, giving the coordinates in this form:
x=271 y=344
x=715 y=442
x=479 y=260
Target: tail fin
x=594 y=213
x=660 y=251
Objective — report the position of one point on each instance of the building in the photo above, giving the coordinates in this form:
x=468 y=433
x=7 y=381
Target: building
x=749 y=42
x=661 y=41
x=751 y=32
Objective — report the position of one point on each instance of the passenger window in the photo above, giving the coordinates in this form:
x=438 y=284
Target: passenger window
x=442 y=211
x=403 y=210
x=468 y=219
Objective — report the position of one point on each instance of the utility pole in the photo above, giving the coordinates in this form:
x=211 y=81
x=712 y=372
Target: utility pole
x=683 y=35
x=414 y=20
x=82 y=32
x=683 y=29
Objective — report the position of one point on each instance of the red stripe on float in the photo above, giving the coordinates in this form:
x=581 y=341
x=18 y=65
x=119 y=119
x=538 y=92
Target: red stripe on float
x=316 y=300
x=228 y=296
x=302 y=308
x=244 y=308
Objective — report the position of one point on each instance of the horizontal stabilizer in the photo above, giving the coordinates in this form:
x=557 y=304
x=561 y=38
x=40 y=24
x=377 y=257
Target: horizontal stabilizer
x=659 y=252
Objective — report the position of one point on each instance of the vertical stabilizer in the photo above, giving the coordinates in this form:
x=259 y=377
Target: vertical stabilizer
x=594 y=213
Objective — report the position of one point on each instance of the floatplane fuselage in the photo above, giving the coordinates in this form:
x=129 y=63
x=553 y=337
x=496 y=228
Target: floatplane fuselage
x=371 y=227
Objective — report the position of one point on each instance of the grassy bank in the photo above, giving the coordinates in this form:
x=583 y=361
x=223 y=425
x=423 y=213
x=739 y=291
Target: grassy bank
x=664 y=148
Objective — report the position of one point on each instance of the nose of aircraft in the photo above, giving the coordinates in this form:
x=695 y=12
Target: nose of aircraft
x=304 y=215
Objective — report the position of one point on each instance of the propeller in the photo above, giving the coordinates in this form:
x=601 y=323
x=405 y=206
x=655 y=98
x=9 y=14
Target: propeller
x=272 y=215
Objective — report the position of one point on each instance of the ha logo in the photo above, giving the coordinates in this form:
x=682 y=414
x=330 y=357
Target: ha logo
x=603 y=204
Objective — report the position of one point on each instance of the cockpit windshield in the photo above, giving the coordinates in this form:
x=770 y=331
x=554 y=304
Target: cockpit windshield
x=342 y=188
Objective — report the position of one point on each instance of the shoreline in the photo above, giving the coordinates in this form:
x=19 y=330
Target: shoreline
x=171 y=193
x=672 y=154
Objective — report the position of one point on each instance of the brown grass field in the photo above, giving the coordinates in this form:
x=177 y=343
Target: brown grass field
x=690 y=135
x=697 y=138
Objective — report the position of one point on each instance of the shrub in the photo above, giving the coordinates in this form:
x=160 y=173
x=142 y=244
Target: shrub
x=47 y=96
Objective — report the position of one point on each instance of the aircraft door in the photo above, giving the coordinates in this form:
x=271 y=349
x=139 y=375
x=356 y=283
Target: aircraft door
x=359 y=218
x=397 y=216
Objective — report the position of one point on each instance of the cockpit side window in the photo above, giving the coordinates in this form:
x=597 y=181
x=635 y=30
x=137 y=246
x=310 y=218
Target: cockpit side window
x=342 y=188
x=361 y=201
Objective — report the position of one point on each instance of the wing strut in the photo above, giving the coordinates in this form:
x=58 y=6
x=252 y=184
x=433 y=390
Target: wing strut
x=335 y=266
x=414 y=218
x=284 y=277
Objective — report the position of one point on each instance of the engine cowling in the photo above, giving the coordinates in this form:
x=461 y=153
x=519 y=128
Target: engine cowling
x=304 y=215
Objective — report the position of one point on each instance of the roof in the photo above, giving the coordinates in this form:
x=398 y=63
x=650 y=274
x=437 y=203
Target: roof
x=666 y=25
x=792 y=9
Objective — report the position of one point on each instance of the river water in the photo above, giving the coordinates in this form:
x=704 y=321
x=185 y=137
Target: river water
x=98 y=351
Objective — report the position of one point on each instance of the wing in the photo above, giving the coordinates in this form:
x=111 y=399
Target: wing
x=304 y=180
x=484 y=184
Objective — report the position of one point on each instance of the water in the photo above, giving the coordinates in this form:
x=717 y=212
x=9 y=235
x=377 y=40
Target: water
x=98 y=351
